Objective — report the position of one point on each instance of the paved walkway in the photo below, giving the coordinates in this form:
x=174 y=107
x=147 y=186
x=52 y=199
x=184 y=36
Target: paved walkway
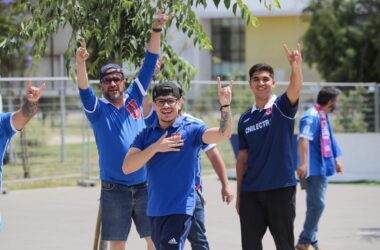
x=64 y=219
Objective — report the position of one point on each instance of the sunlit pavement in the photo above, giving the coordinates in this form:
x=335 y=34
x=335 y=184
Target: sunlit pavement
x=64 y=218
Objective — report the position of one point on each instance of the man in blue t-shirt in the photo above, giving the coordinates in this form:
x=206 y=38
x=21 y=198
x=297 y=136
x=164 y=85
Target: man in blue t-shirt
x=319 y=154
x=197 y=234
x=10 y=122
x=266 y=183
x=116 y=119
x=170 y=149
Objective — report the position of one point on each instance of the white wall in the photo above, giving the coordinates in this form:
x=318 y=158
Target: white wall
x=361 y=156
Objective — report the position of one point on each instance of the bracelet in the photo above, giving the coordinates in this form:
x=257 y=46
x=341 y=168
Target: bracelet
x=157 y=29
x=224 y=106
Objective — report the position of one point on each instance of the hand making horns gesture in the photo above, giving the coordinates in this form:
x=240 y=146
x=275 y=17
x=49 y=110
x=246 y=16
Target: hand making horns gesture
x=224 y=93
x=294 y=56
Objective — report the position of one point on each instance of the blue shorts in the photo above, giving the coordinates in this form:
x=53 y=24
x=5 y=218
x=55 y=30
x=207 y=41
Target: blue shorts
x=120 y=205
x=170 y=232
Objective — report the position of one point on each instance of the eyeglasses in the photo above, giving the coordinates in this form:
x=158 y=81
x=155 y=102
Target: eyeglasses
x=111 y=79
x=161 y=102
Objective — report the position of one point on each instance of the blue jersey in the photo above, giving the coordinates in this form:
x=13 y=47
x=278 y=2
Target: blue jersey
x=205 y=148
x=171 y=175
x=152 y=118
x=267 y=135
x=115 y=128
x=310 y=128
x=7 y=130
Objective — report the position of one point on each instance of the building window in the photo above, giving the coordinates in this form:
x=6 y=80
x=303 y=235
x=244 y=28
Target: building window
x=228 y=41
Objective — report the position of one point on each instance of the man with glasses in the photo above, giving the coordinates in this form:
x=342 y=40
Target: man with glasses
x=170 y=147
x=116 y=119
x=197 y=234
x=266 y=184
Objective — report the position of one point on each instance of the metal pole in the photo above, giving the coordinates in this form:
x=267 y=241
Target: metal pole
x=377 y=108
x=83 y=145
x=62 y=92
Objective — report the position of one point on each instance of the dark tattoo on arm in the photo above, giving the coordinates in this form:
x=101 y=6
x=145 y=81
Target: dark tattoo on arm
x=225 y=121
x=29 y=109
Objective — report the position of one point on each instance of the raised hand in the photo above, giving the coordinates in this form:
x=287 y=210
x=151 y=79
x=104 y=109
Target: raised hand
x=82 y=55
x=160 y=19
x=224 y=93
x=159 y=63
x=294 y=56
x=33 y=94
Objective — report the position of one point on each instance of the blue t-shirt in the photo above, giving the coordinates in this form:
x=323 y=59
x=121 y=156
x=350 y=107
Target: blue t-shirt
x=204 y=147
x=152 y=117
x=115 y=129
x=267 y=134
x=171 y=175
x=310 y=128
x=7 y=130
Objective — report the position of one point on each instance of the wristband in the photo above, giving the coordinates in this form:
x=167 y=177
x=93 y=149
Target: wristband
x=157 y=30
x=224 y=106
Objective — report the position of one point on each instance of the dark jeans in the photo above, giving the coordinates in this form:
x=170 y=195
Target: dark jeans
x=273 y=209
x=197 y=234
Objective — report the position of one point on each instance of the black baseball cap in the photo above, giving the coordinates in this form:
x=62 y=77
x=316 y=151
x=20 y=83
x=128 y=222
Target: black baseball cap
x=166 y=89
x=109 y=69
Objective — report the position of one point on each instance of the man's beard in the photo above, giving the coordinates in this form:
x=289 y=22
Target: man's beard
x=113 y=98
x=332 y=108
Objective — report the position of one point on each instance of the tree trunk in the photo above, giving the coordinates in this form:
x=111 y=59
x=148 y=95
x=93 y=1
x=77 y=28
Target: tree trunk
x=24 y=154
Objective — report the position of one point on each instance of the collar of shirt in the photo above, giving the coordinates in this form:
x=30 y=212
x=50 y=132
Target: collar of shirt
x=268 y=105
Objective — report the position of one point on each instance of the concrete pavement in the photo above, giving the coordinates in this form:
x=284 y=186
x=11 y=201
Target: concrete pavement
x=64 y=218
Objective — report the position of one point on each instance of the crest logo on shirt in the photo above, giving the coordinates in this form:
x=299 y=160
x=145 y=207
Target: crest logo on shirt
x=268 y=111
x=133 y=109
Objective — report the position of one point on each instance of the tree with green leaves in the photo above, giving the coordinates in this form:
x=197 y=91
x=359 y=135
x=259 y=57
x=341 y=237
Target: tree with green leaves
x=17 y=59
x=117 y=30
x=343 y=39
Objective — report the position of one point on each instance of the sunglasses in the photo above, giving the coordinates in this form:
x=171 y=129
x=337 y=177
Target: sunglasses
x=161 y=102
x=110 y=80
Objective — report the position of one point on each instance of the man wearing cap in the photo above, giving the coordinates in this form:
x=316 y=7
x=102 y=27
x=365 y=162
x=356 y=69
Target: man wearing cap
x=116 y=119
x=197 y=234
x=169 y=148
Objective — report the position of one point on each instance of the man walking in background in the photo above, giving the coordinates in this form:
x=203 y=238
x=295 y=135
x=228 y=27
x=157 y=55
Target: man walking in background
x=319 y=154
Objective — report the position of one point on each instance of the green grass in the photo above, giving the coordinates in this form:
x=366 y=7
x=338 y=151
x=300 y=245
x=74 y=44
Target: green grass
x=42 y=184
x=359 y=182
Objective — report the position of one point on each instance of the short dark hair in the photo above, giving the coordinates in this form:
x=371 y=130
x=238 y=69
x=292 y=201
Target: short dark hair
x=261 y=67
x=327 y=94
